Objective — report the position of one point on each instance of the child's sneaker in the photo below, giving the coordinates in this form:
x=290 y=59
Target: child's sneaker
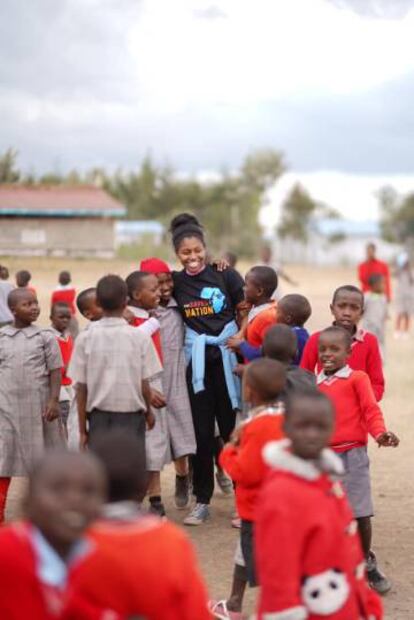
x=182 y=492
x=224 y=482
x=376 y=579
x=199 y=514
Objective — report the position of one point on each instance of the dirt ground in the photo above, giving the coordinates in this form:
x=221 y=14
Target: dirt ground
x=392 y=470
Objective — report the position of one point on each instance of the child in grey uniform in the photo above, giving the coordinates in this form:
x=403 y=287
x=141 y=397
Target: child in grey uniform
x=376 y=310
x=30 y=377
x=180 y=421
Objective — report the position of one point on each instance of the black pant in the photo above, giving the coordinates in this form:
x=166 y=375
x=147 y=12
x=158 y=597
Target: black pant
x=104 y=421
x=211 y=404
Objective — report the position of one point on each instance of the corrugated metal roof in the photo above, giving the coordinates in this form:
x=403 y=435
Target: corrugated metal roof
x=58 y=201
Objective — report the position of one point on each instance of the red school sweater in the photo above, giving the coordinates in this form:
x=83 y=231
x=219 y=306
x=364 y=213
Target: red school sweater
x=261 y=321
x=65 y=296
x=308 y=554
x=365 y=355
x=146 y=568
x=244 y=463
x=65 y=343
x=22 y=595
x=357 y=411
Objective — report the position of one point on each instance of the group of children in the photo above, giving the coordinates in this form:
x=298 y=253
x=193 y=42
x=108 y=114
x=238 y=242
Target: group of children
x=160 y=359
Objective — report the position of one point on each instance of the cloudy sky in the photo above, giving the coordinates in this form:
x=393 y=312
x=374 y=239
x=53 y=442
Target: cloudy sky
x=199 y=83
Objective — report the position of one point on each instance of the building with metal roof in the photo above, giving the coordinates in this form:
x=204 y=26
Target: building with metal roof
x=57 y=220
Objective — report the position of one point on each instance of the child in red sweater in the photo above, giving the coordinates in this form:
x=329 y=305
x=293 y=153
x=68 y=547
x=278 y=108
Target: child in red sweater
x=309 y=558
x=357 y=414
x=60 y=317
x=143 y=567
x=66 y=293
x=261 y=283
x=263 y=382
x=40 y=557
x=347 y=308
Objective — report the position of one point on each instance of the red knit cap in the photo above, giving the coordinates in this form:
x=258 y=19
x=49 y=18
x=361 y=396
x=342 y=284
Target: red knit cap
x=154 y=265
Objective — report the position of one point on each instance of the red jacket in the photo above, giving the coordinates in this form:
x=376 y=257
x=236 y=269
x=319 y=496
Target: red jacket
x=22 y=594
x=357 y=411
x=263 y=319
x=370 y=267
x=244 y=463
x=65 y=296
x=308 y=555
x=365 y=355
x=146 y=568
x=66 y=348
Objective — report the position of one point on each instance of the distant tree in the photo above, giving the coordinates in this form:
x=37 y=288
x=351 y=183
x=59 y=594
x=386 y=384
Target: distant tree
x=397 y=215
x=8 y=170
x=298 y=211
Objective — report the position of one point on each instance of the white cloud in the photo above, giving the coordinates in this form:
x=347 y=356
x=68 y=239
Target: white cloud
x=354 y=196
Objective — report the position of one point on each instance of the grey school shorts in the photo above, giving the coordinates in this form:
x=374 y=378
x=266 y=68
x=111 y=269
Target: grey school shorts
x=357 y=481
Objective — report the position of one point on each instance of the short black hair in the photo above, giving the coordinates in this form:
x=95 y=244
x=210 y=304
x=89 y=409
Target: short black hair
x=4 y=272
x=16 y=295
x=375 y=278
x=65 y=277
x=59 y=305
x=319 y=398
x=298 y=306
x=23 y=277
x=83 y=299
x=134 y=281
x=280 y=343
x=231 y=258
x=267 y=377
x=348 y=288
x=123 y=457
x=111 y=292
x=338 y=330
x=266 y=278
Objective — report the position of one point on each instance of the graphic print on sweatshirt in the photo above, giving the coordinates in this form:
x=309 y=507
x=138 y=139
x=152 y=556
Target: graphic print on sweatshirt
x=207 y=301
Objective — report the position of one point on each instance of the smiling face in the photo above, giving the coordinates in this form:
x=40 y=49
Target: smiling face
x=309 y=426
x=166 y=286
x=347 y=309
x=192 y=254
x=147 y=295
x=333 y=349
x=65 y=496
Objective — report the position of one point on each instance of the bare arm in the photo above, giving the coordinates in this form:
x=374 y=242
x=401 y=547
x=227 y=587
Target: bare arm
x=52 y=407
x=147 y=395
x=81 y=400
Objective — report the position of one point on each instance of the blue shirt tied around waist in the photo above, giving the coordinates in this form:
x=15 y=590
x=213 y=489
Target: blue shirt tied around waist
x=195 y=351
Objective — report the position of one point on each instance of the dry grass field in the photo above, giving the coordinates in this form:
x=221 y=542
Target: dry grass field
x=392 y=470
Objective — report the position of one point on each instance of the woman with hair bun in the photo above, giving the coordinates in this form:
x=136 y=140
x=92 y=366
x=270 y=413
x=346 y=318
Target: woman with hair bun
x=208 y=301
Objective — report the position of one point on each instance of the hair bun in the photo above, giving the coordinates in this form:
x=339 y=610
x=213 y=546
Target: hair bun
x=184 y=220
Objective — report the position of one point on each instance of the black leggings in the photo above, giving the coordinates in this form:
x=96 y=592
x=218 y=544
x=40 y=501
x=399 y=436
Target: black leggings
x=211 y=404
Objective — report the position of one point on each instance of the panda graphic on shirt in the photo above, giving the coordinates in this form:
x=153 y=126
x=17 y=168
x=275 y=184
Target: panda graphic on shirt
x=326 y=593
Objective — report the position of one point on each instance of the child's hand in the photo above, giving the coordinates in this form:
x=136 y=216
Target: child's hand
x=158 y=400
x=150 y=420
x=235 y=436
x=234 y=342
x=388 y=440
x=220 y=264
x=52 y=410
x=239 y=370
x=83 y=441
